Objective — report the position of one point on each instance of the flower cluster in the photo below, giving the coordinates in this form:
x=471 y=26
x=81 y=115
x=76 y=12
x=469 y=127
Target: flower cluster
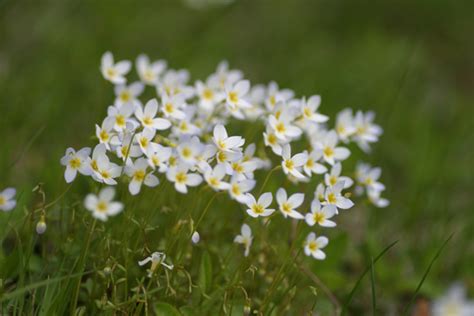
x=181 y=134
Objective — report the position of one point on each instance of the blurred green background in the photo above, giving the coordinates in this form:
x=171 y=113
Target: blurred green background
x=410 y=61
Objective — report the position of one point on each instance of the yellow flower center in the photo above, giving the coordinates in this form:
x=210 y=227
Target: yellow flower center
x=148 y=75
x=280 y=127
x=139 y=175
x=233 y=97
x=207 y=94
x=184 y=126
x=120 y=120
x=147 y=120
x=75 y=163
x=124 y=150
x=172 y=161
x=286 y=207
x=361 y=130
x=221 y=144
x=237 y=167
x=257 y=208
x=104 y=136
x=125 y=96
x=181 y=177
x=328 y=151
x=214 y=181
x=187 y=153
x=155 y=160
x=319 y=218
x=289 y=164
x=144 y=142
x=221 y=156
x=2 y=200
x=332 y=180
x=94 y=165
x=105 y=174
x=332 y=198
x=313 y=246
x=272 y=140
x=102 y=206
x=310 y=163
x=341 y=129
x=307 y=112
x=111 y=72
x=169 y=107
x=272 y=100
x=236 y=190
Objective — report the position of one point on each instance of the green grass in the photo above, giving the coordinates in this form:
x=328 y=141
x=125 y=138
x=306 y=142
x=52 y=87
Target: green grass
x=410 y=61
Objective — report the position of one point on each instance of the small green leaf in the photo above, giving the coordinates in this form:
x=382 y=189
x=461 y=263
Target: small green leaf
x=165 y=309
x=205 y=272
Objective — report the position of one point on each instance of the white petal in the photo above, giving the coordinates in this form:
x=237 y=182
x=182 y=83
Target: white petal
x=296 y=199
x=107 y=194
x=265 y=199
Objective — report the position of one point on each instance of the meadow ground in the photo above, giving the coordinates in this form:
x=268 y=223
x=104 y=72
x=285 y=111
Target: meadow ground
x=409 y=61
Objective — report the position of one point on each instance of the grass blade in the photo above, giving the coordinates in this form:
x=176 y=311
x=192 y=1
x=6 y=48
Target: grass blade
x=351 y=294
x=438 y=253
x=372 y=283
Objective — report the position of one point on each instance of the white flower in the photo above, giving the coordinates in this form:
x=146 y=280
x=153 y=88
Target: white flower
x=158 y=156
x=272 y=141
x=245 y=238
x=148 y=116
x=345 y=124
x=172 y=106
x=453 y=303
x=138 y=173
x=156 y=259
x=208 y=97
x=312 y=165
x=292 y=165
x=214 y=177
x=309 y=109
x=145 y=138
x=127 y=148
x=368 y=176
x=331 y=153
x=104 y=132
x=120 y=115
x=102 y=206
x=224 y=142
x=127 y=96
x=282 y=127
x=76 y=161
x=195 y=238
x=275 y=95
x=7 y=201
x=148 y=72
x=321 y=215
x=238 y=189
x=335 y=176
x=182 y=179
x=189 y=149
x=314 y=245
x=320 y=192
x=376 y=199
x=104 y=170
x=260 y=207
x=333 y=196
x=115 y=73
x=288 y=205
x=365 y=131
x=223 y=76
x=235 y=94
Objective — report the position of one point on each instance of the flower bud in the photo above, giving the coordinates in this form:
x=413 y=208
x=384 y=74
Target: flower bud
x=195 y=238
x=41 y=226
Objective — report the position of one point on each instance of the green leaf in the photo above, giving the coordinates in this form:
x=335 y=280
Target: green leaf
x=205 y=272
x=165 y=309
